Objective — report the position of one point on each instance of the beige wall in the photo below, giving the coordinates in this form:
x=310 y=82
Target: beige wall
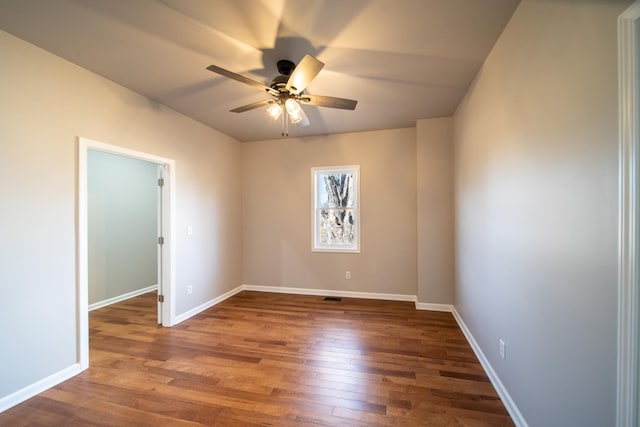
x=536 y=210
x=46 y=103
x=277 y=212
x=436 y=266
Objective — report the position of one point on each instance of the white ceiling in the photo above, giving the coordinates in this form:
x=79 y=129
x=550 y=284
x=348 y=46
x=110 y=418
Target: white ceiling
x=403 y=60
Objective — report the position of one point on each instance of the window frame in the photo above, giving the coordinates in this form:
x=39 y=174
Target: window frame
x=317 y=183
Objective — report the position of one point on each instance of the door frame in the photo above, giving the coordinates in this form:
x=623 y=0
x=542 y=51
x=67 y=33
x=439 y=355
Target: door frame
x=628 y=395
x=166 y=285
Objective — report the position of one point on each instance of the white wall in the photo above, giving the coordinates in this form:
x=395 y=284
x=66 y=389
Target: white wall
x=536 y=210
x=46 y=104
x=122 y=225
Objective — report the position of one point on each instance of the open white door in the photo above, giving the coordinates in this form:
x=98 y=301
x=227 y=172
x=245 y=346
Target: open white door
x=166 y=178
x=628 y=395
x=160 y=242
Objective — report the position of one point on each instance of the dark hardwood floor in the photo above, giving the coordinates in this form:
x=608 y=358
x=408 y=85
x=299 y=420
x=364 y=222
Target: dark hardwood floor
x=261 y=359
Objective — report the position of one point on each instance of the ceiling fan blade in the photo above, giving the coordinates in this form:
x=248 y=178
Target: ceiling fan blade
x=241 y=79
x=305 y=71
x=252 y=106
x=329 y=101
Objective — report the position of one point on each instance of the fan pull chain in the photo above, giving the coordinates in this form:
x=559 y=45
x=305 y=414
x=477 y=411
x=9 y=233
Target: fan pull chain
x=285 y=122
x=282 y=120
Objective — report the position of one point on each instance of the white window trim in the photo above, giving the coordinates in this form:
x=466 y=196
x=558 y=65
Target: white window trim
x=316 y=246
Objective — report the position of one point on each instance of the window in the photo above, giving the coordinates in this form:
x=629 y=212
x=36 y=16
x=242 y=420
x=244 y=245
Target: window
x=336 y=210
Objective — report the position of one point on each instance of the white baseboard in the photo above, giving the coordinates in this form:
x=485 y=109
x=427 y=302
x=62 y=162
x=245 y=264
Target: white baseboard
x=329 y=293
x=210 y=303
x=38 y=387
x=317 y=292
x=513 y=410
x=434 y=307
x=123 y=297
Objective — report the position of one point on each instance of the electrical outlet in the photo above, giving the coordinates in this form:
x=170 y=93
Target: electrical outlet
x=189 y=289
x=347 y=275
x=503 y=349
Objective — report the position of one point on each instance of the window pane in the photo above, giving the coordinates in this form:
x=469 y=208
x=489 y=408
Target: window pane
x=336 y=191
x=337 y=226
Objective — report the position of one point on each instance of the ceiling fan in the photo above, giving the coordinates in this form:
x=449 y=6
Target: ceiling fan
x=287 y=92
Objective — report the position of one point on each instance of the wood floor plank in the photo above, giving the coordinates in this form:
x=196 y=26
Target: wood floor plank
x=261 y=359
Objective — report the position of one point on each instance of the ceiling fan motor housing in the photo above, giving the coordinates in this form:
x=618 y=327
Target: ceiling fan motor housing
x=285 y=67
x=279 y=83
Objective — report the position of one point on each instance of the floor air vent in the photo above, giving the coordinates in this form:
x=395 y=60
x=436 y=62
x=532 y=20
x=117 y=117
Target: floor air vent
x=332 y=299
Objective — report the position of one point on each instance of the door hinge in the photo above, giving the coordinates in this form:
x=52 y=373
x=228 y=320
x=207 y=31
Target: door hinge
x=160 y=298
x=161 y=240
x=160 y=182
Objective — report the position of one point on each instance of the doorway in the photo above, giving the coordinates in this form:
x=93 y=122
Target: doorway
x=123 y=214
x=165 y=258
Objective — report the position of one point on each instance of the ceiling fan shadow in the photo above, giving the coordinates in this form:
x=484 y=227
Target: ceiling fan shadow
x=292 y=48
x=187 y=91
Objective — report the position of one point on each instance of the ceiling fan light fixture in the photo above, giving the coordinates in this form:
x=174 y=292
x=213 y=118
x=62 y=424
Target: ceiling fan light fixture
x=274 y=110
x=294 y=110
